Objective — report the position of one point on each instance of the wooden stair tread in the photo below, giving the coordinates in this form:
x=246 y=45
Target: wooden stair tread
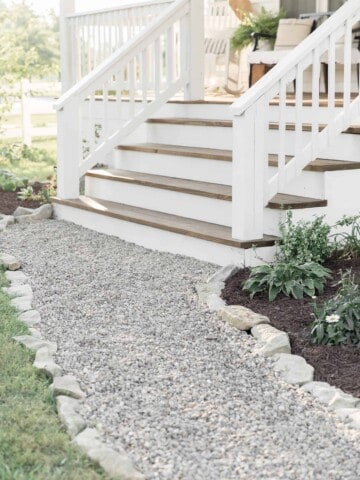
x=285 y=201
x=205 y=189
x=193 y=187
x=204 y=122
x=185 y=226
x=181 y=151
x=318 y=165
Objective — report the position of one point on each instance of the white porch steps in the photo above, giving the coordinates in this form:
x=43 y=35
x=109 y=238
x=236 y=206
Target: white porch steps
x=171 y=189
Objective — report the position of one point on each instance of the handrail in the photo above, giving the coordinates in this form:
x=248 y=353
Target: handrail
x=297 y=55
x=126 y=89
x=140 y=3
x=122 y=54
x=254 y=185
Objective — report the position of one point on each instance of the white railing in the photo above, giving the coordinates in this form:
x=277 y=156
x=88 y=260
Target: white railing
x=128 y=88
x=89 y=38
x=252 y=188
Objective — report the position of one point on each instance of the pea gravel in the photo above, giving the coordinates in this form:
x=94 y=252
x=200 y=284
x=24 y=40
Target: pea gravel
x=182 y=392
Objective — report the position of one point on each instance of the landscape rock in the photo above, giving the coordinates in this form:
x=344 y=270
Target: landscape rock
x=355 y=419
x=343 y=400
x=19 y=291
x=42 y=213
x=272 y=341
x=35 y=333
x=6 y=220
x=215 y=303
x=9 y=262
x=23 y=211
x=322 y=391
x=44 y=362
x=344 y=413
x=242 y=318
x=67 y=385
x=223 y=274
x=67 y=409
x=35 y=343
x=206 y=289
x=293 y=369
x=117 y=465
x=31 y=318
x=23 y=304
x=16 y=278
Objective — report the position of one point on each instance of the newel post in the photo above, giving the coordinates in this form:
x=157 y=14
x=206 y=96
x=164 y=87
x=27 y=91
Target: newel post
x=67 y=7
x=195 y=51
x=248 y=177
x=69 y=152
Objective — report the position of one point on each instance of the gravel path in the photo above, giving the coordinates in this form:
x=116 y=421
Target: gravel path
x=167 y=380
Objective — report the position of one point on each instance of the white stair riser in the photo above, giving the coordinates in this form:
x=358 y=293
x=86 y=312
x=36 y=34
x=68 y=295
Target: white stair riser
x=273 y=217
x=190 y=135
x=347 y=145
x=167 y=201
x=346 y=148
x=308 y=184
x=163 y=240
x=191 y=168
x=342 y=191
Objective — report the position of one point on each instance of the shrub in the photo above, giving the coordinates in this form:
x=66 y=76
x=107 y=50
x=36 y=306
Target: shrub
x=305 y=241
x=15 y=153
x=10 y=182
x=290 y=278
x=337 y=321
x=347 y=243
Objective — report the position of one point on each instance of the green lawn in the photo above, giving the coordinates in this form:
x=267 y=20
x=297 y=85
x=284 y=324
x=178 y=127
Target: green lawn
x=37 y=120
x=33 y=444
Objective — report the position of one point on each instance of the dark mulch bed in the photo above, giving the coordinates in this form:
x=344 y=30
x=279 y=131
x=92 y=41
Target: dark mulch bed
x=337 y=365
x=9 y=201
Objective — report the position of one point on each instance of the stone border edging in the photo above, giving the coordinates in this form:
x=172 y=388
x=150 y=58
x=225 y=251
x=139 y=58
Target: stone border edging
x=66 y=390
x=275 y=343
x=26 y=215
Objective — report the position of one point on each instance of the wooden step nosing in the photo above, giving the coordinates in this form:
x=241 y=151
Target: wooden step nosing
x=161 y=186
x=265 y=242
x=191 y=152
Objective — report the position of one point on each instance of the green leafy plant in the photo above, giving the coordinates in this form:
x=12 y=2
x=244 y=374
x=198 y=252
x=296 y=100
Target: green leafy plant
x=264 y=22
x=26 y=193
x=304 y=241
x=337 y=321
x=347 y=243
x=10 y=182
x=289 y=278
x=15 y=153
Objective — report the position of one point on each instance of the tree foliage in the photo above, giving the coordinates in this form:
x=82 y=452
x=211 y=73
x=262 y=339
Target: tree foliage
x=29 y=43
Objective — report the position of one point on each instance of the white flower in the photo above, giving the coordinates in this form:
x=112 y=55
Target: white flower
x=332 y=318
x=314 y=297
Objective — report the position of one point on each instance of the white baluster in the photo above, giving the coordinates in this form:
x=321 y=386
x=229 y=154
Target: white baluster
x=195 y=88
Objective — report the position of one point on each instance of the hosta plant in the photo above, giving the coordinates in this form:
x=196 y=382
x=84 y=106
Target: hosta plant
x=289 y=278
x=337 y=321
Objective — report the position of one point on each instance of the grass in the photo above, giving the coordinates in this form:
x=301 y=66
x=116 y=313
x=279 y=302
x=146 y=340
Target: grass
x=34 y=171
x=37 y=120
x=33 y=444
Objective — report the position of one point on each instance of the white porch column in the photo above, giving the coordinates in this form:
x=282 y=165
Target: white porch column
x=66 y=8
x=25 y=113
x=195 y=88
x=248 y=177
x=69 y=150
